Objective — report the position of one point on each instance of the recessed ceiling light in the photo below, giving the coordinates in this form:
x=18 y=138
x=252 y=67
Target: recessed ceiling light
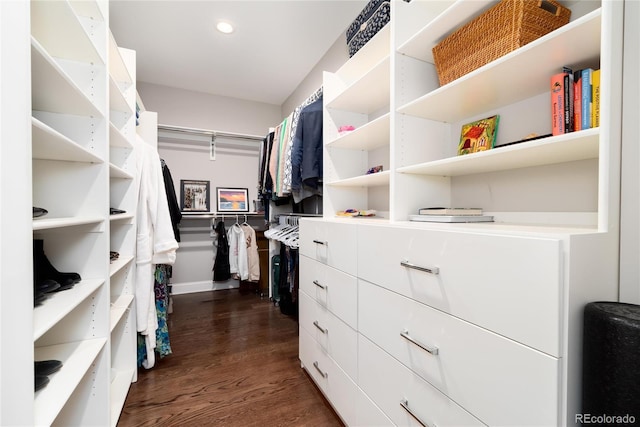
x=224 y=27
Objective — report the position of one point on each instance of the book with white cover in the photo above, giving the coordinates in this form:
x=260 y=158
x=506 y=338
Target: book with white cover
x=451 y=218
x=450 y=211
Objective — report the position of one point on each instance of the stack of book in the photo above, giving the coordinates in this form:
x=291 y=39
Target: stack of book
x=442 y=214
x=575 y=100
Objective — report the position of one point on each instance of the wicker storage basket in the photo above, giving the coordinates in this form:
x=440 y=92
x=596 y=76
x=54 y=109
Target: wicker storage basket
x=505 y=27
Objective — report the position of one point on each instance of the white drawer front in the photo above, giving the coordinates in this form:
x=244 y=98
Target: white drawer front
x=498 y=380
x=331 y=288
x=389 y=383
x=334 y=336
x=368 y=414
x=334 y=383
x=333 y=244
x=508 y=284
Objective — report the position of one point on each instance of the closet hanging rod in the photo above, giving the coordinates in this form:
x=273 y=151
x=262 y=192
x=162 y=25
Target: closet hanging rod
x=195 y=131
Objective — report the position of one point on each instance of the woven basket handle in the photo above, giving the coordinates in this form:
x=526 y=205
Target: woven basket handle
x=549 y=6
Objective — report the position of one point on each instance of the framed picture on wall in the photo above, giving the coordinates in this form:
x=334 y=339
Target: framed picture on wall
x=232 y=199
x=194 y=196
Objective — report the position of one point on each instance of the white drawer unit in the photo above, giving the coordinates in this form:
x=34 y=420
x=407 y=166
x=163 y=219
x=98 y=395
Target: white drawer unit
x=335 y=337
x=498 y=380
x=508 y=284
x=405 y=398
x=331 y=288
x=336 y=385
x=331 y=243
x=368 y=413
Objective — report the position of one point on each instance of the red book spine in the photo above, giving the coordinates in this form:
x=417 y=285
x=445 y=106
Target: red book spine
x=557 y=104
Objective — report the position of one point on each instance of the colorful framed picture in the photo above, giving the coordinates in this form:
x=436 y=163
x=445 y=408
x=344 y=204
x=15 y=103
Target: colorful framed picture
x=232 y=199
x=194 y=195
x=479 y=135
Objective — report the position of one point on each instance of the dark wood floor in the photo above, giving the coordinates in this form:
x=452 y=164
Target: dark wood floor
x=234 y=363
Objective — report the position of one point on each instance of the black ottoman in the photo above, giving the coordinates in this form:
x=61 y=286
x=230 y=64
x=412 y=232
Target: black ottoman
x=611 y=364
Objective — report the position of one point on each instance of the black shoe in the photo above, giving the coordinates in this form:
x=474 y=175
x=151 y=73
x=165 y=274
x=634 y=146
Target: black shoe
x=38 y=298
x=47 y=286
x=114 y=211
x=47 y=367
x=41 y=382
x=42 y=268
x=38 y=212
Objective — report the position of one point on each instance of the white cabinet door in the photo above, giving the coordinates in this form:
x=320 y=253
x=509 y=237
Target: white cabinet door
x=331 y=288
x=390 y=384
x=508 y=284
x=331 y=243
x=498 y=380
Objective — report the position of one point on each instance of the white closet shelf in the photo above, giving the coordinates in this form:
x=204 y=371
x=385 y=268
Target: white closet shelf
x=49 y=144
x=53 y=90
x=58 y=305
x=371 y=180
x=88 y=9
x=575 y=43
x=52 y=223
x=372 y=135
x=121 y=217
x=119 y=264
x=77 y=358
x=56 y=25
x=569 y=147
x=367 y=94
x=370 y=54
x=119 y=389
x=119 y=309
x=117 y=172
x=117 y=138
x=117 y=100
x=117 y=68
x=421 y=44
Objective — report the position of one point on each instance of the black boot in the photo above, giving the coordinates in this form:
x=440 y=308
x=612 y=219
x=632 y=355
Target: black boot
x=43 y=270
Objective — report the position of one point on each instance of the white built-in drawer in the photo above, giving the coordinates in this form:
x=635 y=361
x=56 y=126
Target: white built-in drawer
x=336 y=385
x=331 y=288
x=389 y=383
x=331 y=243
x=496 y=379
x=508 y=284
x=368 y=414
x=335 y=337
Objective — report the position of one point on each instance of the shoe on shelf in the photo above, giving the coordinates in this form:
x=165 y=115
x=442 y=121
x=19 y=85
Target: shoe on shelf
x=38 y=212
x=47 y=286
x=38 y=298
x=42 y=269
x=41 y=382
x=114 y=211
x=46 y=367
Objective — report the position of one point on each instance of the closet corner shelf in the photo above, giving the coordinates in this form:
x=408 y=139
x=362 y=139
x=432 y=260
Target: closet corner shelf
x=122 y=217
x=117 y=68
x=49 y=144
x=60 y=304
x=373 y=135
x=53 y=223
x=117 y=172
x=117 y=99
x=117 y=138
x=527 y=68
x=118 y=310
x=118 y=390
x=77 y=358
x=580 y=145
x=371 y=180
x=119 y=264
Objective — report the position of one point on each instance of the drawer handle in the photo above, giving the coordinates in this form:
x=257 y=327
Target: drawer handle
x=324 y=374
x=432 y=270
x=317 y=325
x=429 y=349
x=315 y=282
x=320 y=242
x=405 y=404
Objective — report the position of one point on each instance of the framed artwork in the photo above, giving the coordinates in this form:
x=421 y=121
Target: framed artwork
x=194 y=196
x=478 y=136
x=232 y=199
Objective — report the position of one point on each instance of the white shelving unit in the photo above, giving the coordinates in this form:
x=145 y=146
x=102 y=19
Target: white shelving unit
x=555 y=199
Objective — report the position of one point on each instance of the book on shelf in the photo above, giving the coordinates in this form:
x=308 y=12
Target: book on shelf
x=450 y=211
x=451 y=218
x=557 y=104
x=577 y=100
x=568 y=99
x=595 y=101
x=587 y=73
x=479 y=135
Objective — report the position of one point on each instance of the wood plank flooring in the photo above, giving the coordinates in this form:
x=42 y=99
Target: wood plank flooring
x=234 y=363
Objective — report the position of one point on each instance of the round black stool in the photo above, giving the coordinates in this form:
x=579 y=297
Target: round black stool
x=611 y=363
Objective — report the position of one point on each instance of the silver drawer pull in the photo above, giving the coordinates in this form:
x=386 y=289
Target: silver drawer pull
x=315 y=282
x=324 y=374
x=432 y=270
x=320 y=242
x=317 y=325
x=405 y=404
x=429 y=349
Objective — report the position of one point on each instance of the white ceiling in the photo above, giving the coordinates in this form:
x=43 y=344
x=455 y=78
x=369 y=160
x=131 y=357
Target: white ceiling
x=275 y=45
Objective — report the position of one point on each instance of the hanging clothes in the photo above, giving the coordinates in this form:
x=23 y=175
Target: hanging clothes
x=238 y=261
x=172 y=200
x=155 y=242
x=221 y=266
x=306 y=156
x=163 y=344
x=252 y=252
